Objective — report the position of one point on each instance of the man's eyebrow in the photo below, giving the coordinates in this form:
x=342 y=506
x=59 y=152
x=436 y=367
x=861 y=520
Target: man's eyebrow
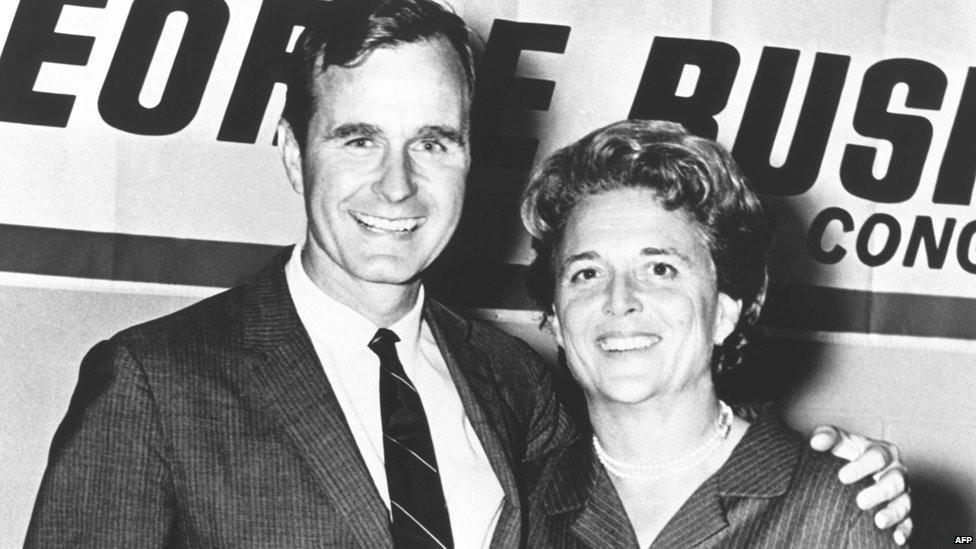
x=443 y=132
x=651 y=251
x=356 y=129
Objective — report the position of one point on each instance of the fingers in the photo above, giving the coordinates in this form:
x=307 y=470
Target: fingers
x=889 y=486
x=839 y=442
x=903 y=531
x=824 y=438
x=870 y=457
x=896 y=511
x=877 y=458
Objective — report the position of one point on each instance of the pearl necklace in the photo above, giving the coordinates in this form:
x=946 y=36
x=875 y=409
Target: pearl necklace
x=653 y=471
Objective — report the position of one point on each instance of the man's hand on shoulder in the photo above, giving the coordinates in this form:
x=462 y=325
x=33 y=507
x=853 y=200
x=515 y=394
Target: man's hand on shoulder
x=881 y=460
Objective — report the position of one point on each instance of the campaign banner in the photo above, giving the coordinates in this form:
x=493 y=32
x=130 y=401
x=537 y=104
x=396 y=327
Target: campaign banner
x=138 y=140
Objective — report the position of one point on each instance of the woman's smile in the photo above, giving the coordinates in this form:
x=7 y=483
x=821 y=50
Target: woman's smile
x=623 y=342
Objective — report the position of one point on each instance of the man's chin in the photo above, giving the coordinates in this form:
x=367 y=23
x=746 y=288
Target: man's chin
x=387 y=270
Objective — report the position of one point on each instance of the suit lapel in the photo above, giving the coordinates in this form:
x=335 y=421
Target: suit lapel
x=582 y=486
x=581 y=489
x=289 y=383
x=603 y=522
x=761 y=466
x=476 y=386
x=699 y=518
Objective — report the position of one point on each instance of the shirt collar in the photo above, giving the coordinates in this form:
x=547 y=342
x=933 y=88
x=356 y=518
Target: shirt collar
x=340 y=326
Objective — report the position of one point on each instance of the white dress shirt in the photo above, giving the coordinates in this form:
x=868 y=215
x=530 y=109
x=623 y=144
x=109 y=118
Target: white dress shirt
x=341 y=336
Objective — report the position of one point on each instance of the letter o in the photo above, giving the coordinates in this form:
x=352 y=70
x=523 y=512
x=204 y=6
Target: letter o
x=965 y=246
x=891 y=244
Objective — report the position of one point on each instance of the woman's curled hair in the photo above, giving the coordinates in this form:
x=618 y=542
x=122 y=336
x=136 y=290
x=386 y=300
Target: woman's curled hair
x=694 y=175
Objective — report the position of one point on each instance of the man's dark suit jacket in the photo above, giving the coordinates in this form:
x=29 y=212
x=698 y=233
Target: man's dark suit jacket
x=216 y=427
x=774 y=491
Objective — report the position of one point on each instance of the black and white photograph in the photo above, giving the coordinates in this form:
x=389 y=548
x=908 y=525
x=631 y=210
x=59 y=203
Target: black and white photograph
x=472 y=274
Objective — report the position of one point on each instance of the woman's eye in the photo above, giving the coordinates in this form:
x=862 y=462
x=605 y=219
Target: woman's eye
x=583 y=275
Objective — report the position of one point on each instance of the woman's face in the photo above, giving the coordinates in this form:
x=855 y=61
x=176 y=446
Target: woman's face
x=637 y=308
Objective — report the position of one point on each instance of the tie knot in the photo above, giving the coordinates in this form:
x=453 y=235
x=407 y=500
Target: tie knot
x=383 y=343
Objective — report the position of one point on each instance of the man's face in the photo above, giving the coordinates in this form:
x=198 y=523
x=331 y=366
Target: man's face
x=384 y=165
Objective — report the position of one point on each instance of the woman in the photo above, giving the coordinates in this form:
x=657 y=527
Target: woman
x=652 y=251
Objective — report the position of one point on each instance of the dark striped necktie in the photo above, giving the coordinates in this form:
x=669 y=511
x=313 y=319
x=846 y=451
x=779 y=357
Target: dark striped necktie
x=417 y=503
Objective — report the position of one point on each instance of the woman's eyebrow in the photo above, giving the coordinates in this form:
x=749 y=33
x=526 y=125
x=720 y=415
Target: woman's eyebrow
x=652 y=251
x=582 y=256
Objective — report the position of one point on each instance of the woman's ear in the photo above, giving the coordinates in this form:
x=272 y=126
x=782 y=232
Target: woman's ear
x=291 y=155
x=552 y=321
x=727 y=313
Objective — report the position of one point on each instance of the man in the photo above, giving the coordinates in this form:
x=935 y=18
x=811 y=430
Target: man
x=283 y=413
x=254 y=417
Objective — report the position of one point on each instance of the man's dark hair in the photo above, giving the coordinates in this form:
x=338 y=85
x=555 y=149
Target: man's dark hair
x=352 y=29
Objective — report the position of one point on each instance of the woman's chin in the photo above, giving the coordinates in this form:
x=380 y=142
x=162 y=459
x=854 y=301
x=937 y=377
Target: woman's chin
x=626 y=390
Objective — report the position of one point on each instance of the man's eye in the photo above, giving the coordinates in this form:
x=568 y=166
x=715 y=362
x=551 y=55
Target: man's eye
x=431 y=146
x=360 y=143
x=663 y=269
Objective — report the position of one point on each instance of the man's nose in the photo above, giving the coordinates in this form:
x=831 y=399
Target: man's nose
x=396 y=184
x=621 y=298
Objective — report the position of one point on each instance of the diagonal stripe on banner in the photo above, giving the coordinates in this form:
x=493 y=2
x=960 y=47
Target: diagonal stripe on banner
x=456 y=281
x=134 y=258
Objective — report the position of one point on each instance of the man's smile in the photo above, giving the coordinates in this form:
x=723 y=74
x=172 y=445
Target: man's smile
x=386 y=225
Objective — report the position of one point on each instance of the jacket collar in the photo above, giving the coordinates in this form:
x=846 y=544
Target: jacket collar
x=476 y=385
x=574 y=474
x=760 y=466
x=581 y=485
x=285 y=379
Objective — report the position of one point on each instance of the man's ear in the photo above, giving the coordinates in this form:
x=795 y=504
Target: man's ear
x=291 y=155
x=727 y=313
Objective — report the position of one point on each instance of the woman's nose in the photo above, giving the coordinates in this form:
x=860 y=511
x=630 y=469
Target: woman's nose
x=621 y=298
